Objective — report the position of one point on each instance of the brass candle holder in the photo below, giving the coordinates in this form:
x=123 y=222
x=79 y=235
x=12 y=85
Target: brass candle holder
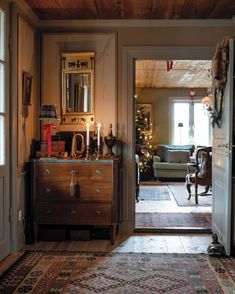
x=87 y=157
x=98 y=155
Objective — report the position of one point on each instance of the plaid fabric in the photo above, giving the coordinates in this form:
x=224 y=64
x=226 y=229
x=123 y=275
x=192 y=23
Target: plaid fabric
x=48 y=111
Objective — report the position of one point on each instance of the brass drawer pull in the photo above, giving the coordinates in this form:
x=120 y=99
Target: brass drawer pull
x=98 y=172
x=98 y=190
x=47 y=171
x=48 y=190
x=98 y=212
x=73 y=212
x=48 y=212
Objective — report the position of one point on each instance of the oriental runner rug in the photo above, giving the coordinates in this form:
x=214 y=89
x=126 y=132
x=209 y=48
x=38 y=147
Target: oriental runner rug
x=180 y=195
x=39 y=272
x=159 y=220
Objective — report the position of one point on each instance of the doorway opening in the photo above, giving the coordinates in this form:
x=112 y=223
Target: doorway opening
x=172 y=124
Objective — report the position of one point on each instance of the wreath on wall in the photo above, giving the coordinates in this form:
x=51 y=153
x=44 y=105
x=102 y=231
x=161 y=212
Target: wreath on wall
x=219 y=74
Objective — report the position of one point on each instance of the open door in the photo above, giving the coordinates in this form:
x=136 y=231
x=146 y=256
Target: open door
x=222 y=161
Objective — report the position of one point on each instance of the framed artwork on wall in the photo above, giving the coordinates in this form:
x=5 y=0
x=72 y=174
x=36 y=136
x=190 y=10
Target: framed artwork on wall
x=145 y=112
x=26 y=87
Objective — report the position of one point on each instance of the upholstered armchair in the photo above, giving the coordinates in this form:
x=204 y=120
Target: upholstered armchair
x=203 y=174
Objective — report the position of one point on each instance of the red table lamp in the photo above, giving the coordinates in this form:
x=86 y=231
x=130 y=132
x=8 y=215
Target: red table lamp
x=48 y=112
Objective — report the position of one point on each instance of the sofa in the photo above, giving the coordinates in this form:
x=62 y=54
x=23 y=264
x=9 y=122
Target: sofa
x=170 y=161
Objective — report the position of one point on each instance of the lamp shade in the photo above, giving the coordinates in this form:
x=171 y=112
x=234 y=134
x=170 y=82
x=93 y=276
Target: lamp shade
x=48 y=112
x=180 y=124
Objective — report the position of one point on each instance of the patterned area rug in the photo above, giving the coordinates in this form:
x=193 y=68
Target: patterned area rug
x=154 y=193
x=160 y=220
x=84 y=273
x=180 y=195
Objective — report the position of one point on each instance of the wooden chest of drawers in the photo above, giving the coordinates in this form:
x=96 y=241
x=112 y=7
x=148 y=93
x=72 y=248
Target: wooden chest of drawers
x=75 y=192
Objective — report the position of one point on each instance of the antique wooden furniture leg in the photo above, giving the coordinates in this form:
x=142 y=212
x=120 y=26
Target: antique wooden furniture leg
x=137 y=193
x=188 y=186
x=196 y=193
x=207 y=189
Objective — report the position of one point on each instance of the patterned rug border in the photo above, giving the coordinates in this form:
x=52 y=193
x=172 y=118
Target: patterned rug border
x=222 y=267
x=15 y=263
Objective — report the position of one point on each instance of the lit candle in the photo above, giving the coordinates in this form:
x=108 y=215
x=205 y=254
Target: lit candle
x=87 y=134
x=98 y=135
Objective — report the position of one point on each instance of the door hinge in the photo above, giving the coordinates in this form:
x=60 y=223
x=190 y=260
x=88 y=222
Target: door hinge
x=10 y=44
x=10 y=214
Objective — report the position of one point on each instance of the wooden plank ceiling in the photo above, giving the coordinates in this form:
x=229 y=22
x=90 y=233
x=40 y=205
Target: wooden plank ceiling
x=184 y=74
x=187 y=74
x=132 y=9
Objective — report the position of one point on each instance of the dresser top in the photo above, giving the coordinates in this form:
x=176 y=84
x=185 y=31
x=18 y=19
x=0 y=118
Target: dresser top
x=55 y=160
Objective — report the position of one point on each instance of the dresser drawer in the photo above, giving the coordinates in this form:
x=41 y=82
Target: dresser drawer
x=95 y=190
x=54 y=190
x=82 y=213
x=82 y=171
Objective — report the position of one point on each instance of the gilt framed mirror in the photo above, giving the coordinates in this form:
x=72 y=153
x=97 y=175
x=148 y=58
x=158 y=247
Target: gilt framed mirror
x=77 y=105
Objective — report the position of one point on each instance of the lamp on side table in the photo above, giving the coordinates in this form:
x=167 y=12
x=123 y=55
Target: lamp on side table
x=48 y=112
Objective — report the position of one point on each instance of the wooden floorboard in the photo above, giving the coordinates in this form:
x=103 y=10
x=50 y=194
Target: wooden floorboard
x=150 y=243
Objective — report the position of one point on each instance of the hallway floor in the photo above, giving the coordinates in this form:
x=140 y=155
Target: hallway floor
x=150 y=243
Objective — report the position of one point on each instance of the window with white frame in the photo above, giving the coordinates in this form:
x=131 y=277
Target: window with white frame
x=2 y=87
x=190 y=123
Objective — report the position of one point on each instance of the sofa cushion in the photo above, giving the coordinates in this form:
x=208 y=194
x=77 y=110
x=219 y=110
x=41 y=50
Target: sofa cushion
x=178 y=156
x=169 y=166
x=162 y=150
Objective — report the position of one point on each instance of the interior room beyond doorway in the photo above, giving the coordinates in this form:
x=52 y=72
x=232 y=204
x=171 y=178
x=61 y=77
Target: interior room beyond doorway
x=170 y=114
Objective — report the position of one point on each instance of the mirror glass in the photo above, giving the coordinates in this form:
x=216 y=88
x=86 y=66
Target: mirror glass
x=77 y=87
x=78 y=90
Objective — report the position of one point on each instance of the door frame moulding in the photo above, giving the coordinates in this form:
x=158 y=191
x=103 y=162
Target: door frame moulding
x=126 y=112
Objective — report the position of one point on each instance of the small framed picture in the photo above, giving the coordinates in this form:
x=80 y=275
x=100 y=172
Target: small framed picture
x=26 y=88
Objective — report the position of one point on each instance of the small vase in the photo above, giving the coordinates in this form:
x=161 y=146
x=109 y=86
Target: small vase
x=110 y=141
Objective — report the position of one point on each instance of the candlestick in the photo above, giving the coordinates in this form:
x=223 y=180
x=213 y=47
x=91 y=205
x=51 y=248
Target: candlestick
x=87 y=134
x=87 y=157
x=98 y=155
x=98 y=135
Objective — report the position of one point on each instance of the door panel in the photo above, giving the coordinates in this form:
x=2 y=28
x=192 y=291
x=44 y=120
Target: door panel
x=4 y=137
x=222 y=164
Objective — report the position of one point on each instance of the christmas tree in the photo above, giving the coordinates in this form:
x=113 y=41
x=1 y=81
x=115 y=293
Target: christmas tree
x=143 y=140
